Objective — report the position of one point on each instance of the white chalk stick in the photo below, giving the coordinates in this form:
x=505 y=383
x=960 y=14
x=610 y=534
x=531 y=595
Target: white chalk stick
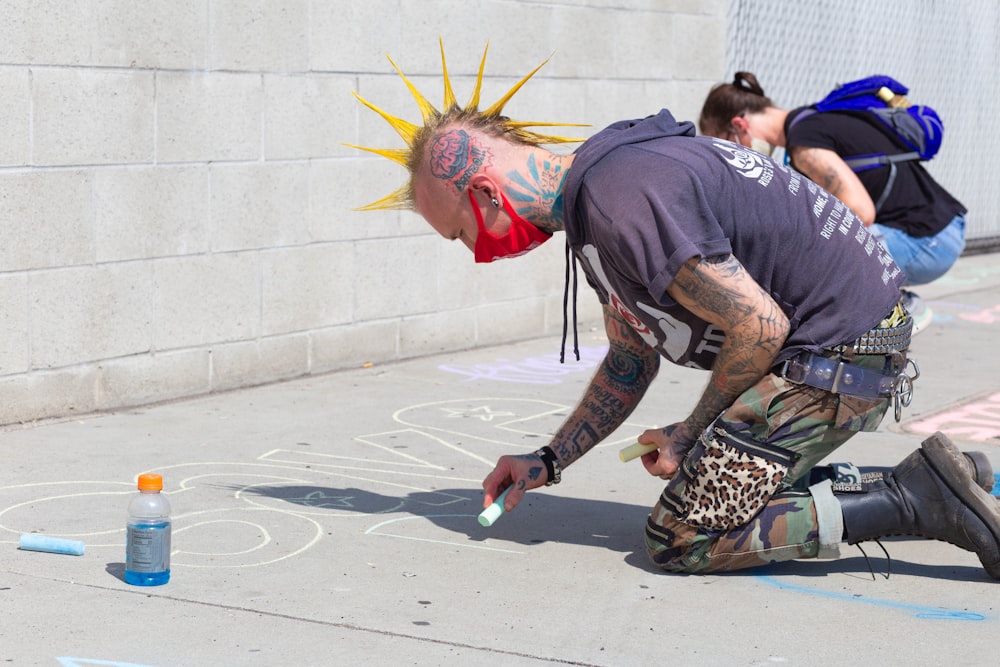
x=635 y=451
x=52 y=545
x=489 y=515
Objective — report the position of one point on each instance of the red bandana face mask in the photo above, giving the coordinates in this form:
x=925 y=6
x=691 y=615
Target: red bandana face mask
x=519 y=239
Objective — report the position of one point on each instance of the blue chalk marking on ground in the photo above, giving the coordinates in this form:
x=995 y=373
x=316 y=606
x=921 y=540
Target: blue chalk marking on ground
x=921 y=612
x=67 y=661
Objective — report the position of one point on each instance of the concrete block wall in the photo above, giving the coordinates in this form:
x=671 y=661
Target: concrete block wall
x=176 y=197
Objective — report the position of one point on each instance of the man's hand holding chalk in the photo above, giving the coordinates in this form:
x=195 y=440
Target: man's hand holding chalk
x=489 y=515
x=635 y=451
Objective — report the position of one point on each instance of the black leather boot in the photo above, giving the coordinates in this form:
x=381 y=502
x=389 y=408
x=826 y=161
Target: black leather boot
x=931 y=493
x=976 y=463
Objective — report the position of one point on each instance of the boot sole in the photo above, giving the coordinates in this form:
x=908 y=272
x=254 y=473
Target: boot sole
x=948 y=461
x=983 y=470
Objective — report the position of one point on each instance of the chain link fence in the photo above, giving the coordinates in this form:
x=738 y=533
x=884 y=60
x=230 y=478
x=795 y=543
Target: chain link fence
x=946 y=52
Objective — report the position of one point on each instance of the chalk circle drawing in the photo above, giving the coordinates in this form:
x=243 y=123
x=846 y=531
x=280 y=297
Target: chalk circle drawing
x=233 y=514
x=543 y=369
x=291 y=496
x=977 y=419
x=233 y=536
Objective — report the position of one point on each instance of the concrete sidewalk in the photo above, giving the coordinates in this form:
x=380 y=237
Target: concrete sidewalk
x=332 y=521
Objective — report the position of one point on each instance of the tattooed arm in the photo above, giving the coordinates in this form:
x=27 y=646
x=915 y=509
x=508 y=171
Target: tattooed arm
x=614 y=392
x=829 y=171
x=720 y=291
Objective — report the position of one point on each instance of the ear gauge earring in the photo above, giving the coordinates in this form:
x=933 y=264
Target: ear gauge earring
x=495 y=202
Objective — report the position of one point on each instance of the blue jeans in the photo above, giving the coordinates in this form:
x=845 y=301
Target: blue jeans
x=925 y=259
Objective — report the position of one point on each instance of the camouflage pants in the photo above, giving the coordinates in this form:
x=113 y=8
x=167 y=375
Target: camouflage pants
x=774 y=522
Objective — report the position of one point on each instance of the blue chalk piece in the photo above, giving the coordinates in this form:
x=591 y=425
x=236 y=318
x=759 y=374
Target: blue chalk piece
x=52 y=545
x=489 y=515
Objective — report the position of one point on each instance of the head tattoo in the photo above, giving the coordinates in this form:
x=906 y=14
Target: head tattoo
x=417 y=137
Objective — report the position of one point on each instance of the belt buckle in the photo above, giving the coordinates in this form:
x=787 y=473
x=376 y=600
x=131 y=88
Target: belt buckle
x=794 y=373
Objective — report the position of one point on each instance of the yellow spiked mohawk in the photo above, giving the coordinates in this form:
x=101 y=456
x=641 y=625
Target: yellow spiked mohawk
x=432 y=119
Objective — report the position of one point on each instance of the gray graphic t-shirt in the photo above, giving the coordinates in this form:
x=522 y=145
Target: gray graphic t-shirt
x=645 y=196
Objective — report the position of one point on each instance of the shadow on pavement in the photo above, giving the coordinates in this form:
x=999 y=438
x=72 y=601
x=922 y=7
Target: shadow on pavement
x=541 y=518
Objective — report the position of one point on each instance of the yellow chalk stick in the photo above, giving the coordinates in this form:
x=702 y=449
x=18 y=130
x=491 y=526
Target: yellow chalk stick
x=635 y=451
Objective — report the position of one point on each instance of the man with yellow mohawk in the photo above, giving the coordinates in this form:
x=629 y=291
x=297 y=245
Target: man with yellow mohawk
x=715 y=257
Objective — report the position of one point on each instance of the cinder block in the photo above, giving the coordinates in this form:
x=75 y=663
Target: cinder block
x=260 y=206
x=437 y=332
x=540 y=272
x=127 y=226
x=510 y=320
x=255 y=362
x=204 y=300
x=45 y=32
x=306 y=288
x=648 y=50
x=460 y=282
x=353 y=36
x=150 y=378
x=303 y=115
x=89 y=313
x=15 y=116
x=396 y=276
x=208 y=116
x=27 y=397
x=354 y=345
x=260 y=35
x=47 y=219
x=700 y=45
x=14 y=354
x=166 y=35
x=92 y=116
x=338 y=186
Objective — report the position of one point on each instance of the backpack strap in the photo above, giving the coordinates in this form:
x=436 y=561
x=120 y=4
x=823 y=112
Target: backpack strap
x=865 y=162
x=859 y=163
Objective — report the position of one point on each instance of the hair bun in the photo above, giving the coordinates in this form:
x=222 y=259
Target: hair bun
x=747 y=81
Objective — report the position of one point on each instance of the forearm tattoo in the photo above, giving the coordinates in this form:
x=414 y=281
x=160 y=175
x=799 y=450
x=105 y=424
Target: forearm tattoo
x=820 y=171
x=613 y=394
x=755 y=330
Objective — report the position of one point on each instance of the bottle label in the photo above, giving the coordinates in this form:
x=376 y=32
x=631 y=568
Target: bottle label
x=147 y=548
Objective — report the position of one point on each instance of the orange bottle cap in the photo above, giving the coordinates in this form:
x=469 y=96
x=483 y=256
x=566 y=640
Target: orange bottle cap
x=150 y=482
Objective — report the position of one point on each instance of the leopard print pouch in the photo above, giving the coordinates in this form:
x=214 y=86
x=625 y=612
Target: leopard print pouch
x=726 y=479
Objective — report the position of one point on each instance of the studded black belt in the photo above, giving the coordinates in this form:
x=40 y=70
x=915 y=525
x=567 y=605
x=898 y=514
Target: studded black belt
x=883 y=339
x=838 y=376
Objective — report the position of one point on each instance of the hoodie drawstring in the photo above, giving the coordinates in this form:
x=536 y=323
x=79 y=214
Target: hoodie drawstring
x=570 y=260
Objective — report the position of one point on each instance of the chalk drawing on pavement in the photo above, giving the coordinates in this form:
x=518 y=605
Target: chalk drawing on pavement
x=406 y=483
x=931 y=613
x=977 y=419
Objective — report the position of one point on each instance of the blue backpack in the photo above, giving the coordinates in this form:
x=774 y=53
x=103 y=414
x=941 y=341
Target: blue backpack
x=916 y=127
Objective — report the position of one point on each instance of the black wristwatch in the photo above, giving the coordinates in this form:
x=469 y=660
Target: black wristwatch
x=552 y=467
